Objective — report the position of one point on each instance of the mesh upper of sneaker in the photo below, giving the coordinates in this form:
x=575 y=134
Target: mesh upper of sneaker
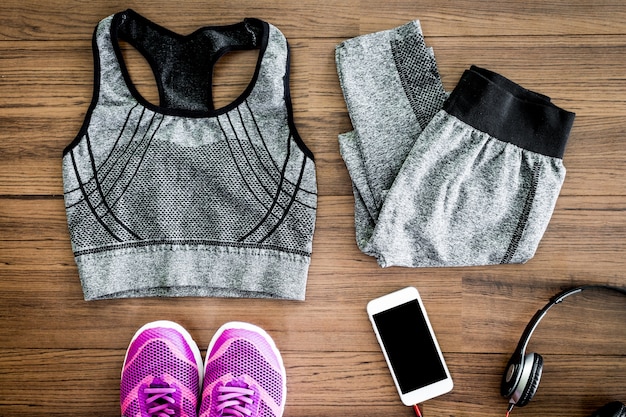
x=158 y=356
x=245 y=358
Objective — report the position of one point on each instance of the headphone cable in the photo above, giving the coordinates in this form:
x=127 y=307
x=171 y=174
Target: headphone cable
x=417 y=410
x=508 y=411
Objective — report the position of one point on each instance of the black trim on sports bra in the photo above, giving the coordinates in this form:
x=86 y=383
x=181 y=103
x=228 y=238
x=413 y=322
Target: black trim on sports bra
x=292 y=124
x=138 y=31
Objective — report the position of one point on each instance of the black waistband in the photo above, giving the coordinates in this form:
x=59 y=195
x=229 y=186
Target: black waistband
x=496 y=105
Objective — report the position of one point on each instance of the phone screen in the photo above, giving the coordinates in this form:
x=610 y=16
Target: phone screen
x=409 y=346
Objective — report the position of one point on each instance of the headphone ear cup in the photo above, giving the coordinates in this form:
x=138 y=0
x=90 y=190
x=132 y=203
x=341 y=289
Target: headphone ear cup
x=612 y=409
x=532 y=382
x=510 y=378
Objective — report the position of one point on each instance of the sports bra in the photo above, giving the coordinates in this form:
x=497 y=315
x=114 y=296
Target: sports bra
x=181 y=198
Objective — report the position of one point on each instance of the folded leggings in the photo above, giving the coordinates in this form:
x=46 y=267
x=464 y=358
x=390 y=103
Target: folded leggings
x=459 y=179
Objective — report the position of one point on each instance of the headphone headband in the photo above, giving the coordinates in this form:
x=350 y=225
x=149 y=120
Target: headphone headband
x=557 y=299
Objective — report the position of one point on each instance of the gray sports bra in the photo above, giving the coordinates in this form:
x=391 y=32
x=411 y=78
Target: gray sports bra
x=181 y=198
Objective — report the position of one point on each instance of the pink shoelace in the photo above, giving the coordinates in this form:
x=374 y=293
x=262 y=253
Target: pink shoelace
x=234 y=401
x=164 y=397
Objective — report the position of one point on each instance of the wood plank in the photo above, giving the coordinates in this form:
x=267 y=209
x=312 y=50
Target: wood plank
x=90 y=377
x=57 y=108
x=551 y=65
x=467 y=18
x=70 y=19
x=598 y=225
x=35 y=249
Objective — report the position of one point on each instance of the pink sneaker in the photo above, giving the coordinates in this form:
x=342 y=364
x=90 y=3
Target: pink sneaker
x=244 y=374
x=162 y=373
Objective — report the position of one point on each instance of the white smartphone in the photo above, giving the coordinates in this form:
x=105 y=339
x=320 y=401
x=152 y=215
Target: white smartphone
x=409 y=346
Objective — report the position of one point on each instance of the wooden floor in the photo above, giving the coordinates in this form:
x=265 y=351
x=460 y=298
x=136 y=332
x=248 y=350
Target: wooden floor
x=60 y=355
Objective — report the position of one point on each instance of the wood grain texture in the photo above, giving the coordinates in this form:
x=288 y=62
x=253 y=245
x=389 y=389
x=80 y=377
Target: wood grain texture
x=60 y=355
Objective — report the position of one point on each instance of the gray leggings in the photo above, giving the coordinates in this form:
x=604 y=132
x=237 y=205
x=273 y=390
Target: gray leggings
x=467 y=178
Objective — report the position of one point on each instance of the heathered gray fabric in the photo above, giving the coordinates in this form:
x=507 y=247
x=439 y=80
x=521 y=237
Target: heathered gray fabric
x=388 y=109
x=386 y=117
x=459 y=198
x=160 y=204
x=449 y=195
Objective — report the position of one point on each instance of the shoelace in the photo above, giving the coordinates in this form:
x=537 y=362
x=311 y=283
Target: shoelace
x=234 y=401
x=160 y=409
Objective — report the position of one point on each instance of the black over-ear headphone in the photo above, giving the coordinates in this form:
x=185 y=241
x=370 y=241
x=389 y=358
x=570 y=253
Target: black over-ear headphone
x=523 y=372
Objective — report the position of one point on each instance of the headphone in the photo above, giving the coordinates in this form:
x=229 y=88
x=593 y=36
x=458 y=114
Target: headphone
x=523 y=371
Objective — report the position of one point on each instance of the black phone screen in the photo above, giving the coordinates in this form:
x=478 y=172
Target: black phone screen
x=410 y=348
